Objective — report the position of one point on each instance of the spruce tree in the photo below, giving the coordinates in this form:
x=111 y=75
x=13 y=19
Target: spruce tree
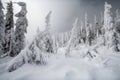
x=108 y=25
x=21 y=28
x=73 y=38
x=116 y=36
x=48 y=33
x=9 y=27
x=2 y=29
x=90 y=36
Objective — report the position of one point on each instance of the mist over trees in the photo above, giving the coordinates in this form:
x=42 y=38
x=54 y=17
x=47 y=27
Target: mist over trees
x=105 y=32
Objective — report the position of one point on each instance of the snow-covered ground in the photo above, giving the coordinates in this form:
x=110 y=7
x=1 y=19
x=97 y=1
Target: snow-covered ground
x=58 y=67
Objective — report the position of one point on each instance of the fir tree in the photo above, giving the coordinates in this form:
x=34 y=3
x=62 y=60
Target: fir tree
x=9 y=25
x=108 y=25
x=21 y=28
x=116 y=36
x=73 y=38
x=90 y=35
x=48 y=41
x=2 y=29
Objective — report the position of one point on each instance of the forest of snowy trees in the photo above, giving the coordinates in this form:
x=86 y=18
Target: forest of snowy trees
x=105 y=32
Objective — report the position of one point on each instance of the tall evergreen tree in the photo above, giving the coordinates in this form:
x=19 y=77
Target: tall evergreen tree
x=108 y=25
x=9 y=26
x=49 y=40
x=101 y=30
x=87 y=28
x=2 y=29
x=83 y=33
x=96 y=27
x=116 y=36
x=90 y=36
x=73 y=38
x=21 y=28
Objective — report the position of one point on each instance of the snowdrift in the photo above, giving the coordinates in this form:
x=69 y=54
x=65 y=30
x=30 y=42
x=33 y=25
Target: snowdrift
x=105 y=66
x=26 y=56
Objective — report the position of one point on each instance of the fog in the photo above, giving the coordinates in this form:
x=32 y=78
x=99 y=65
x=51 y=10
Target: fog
x=63 y=15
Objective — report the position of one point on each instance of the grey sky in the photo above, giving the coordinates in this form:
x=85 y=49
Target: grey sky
x=64 y=12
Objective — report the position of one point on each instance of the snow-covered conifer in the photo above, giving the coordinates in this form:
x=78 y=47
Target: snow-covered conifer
x=108 y=25
x=95 y=29
x=47 y=21
x=116 y=36
x=21 y=27
x=73 y=38
x=48 y=40
x=2 y=29
x=30 y=54
x=83 y=33
x=9 y=25
x=90 y=36
x=87 y=28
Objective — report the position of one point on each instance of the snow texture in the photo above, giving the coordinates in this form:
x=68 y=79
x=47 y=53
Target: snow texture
x=102 y=67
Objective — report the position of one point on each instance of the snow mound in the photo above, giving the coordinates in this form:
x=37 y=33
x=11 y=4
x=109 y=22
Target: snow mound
x=70 y=68
x=26 y=56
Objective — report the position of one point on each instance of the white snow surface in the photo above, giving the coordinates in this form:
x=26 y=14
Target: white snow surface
x=105 y=66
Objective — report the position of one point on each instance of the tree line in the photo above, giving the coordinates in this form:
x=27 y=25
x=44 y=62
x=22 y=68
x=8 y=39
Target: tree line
x=106 y=31
x=12 y=34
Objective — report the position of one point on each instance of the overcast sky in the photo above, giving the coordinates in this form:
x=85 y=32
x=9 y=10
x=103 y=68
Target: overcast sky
x=64 y=12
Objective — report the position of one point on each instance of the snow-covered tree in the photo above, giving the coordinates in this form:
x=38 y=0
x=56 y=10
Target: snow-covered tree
x=116 y=36
x=108 y=25
x=34 y=52
x=2 y=29
x=76 y=33
x=96 y=26
x=21 y=28
x=9 y=25
x=48 y=34
x=87 y=25
x=101 y=30
x=12 y=51
x=30 y=54
x=117 y=13
x=79 y=32
x=90 y=36
x=73 y=38
x=44 y=39
x=83 y=33
x=87 y=28
x=47 y=21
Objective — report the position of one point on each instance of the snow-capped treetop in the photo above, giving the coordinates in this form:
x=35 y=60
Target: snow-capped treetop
x=22 y=16
x=86 y=20
x=107 y=5
x=21 y=3
x=23 y=11
x=47 y=19
x=107 y=17
x=75 y=28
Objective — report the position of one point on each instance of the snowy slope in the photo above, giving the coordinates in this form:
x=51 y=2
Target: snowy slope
x=74 y=67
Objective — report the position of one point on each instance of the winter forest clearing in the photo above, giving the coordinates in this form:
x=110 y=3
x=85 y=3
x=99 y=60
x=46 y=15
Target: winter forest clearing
x=89 y=51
